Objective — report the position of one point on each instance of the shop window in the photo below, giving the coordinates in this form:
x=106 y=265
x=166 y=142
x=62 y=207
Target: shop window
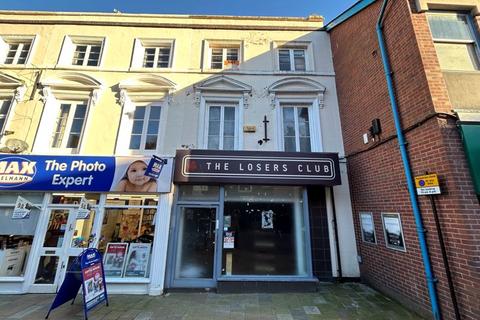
x=69 y=125
x=15 y=50
x=153 y=53
x=222 y=127
x=454 y=39
x=16 y=235
x=296 y=128
x=80 y=51
x=145 y=128
x=264 y=231
x=127 y=236
x=4 y=110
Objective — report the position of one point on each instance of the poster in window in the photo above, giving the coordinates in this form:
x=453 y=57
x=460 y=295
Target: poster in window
x=267 y=219
x=367 y=227
x=114 y=259
x=130 y=224
x=392 y=228
x=137 y=260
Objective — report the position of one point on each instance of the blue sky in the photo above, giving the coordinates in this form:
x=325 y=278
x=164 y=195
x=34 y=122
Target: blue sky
x=299 y=8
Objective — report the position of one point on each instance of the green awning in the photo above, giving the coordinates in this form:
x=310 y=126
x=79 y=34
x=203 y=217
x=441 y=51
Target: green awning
x=471 y=142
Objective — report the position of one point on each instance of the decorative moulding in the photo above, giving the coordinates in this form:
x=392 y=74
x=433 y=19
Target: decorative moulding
x=223 y=85
x=299 y=87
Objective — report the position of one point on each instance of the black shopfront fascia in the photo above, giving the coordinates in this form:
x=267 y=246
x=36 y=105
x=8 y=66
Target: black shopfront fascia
x=310 y=170
x=255 y=167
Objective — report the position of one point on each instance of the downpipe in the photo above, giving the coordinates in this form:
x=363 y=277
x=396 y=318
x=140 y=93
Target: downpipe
x=406 y=166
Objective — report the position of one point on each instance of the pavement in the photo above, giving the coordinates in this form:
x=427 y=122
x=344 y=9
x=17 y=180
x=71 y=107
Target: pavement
x=332 y=301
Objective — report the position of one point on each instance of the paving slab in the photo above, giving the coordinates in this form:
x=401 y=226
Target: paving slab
x=331 y=301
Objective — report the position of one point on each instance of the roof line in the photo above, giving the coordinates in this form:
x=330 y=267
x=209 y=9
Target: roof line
x=347 y=14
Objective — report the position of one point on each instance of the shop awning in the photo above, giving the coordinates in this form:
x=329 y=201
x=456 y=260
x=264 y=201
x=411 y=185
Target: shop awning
x=471 y=142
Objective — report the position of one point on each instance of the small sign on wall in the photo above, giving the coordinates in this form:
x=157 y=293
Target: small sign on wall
x=368 y=227
x=427 y=185
x=249 y=129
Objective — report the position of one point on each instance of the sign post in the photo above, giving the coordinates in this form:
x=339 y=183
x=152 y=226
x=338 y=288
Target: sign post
x=86 y=272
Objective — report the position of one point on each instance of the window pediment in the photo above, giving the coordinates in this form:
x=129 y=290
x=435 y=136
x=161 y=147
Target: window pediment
x=145 y=88
x=298 y=87
x=11 y=86
x=223 y=84
x=72 y=81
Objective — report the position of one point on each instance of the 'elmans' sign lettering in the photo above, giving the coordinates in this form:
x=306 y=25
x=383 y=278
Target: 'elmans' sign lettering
x=252 y=167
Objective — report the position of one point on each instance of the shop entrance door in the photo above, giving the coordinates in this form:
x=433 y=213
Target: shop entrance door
x=64 y=239
x=194 y=252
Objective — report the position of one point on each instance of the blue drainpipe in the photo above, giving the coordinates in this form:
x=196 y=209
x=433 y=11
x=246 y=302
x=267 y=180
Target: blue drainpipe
x=406 y=166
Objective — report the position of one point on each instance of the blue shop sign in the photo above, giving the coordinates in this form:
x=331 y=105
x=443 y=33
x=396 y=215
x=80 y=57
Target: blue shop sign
x=79 y=173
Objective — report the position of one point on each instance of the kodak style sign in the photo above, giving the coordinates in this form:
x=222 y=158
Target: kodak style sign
x=80 y=173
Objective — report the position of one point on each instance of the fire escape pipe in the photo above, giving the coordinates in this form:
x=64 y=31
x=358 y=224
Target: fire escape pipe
x=406 y=166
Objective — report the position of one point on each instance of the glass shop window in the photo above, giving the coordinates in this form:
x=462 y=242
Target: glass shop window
x=74 y=198
x=264 y=231
x=198 y=193
x=16 y=235
x=126 y=239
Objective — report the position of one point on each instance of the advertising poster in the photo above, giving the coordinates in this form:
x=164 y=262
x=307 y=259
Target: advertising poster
x=114 y=259
x=80 y=174
x=229 y=240
x=393 y=231
x=94 y=286
x=267 y=219
x=368 y=228
x=22 y=209
x=137 y=260
x=83 y=211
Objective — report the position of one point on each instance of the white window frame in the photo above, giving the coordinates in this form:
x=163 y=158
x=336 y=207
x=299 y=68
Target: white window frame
x=471 y=28
x=139 y=46
x=209 y=100
x=222 y=106
x=307 y=46
x=6 y=40
x=316 y=144
x=69 y=46
x=146 y=118
x=126 y=125
x=297 y=128
x=68 y=126
x=221 y=44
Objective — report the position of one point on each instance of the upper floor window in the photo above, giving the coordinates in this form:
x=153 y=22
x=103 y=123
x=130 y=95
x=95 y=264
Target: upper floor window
x=4 y=109
x=224 y=58
x=296 y=128
x=454 y=41
x=291 y=59
x=15 y=50
x=69 y=125
x=222 y=127
x=152 y=53
x=222 y=55
x=82 y=51
x=145 y=128
x=87 y=54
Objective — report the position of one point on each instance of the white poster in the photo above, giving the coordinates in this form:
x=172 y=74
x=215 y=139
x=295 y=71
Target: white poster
x=83 y=211
x=22 y=209
x=114 y=259
x=137 y=260
x=267 y=219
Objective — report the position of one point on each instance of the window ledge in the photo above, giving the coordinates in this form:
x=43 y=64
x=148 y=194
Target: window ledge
x=462 y=71
x=73 y=67
x=127 y=280
x=12 y=279
x=268 y=278
x=170 y=69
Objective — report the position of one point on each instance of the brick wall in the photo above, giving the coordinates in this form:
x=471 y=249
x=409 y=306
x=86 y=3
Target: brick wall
x=376 y=175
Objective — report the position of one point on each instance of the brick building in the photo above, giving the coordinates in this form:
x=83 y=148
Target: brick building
x=433 y=50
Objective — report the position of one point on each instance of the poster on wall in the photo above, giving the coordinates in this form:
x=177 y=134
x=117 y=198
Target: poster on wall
x=267 y=219
x=81 y=174
x=22 y=208
x=392 y=227
x=137 y=260
x=367 y=227
x=114 y=259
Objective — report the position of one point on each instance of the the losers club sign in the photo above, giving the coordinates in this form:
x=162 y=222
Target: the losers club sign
x=253 y=167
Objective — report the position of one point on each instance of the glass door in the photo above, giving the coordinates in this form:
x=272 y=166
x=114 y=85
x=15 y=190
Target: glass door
x=194 y=253
x=64 y=239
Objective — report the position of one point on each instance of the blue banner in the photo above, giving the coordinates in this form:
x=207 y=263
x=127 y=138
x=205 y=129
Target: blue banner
x=81 y=173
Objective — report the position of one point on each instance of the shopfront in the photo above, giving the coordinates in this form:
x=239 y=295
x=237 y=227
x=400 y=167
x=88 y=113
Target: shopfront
x=124 y=214
x=242 y=219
